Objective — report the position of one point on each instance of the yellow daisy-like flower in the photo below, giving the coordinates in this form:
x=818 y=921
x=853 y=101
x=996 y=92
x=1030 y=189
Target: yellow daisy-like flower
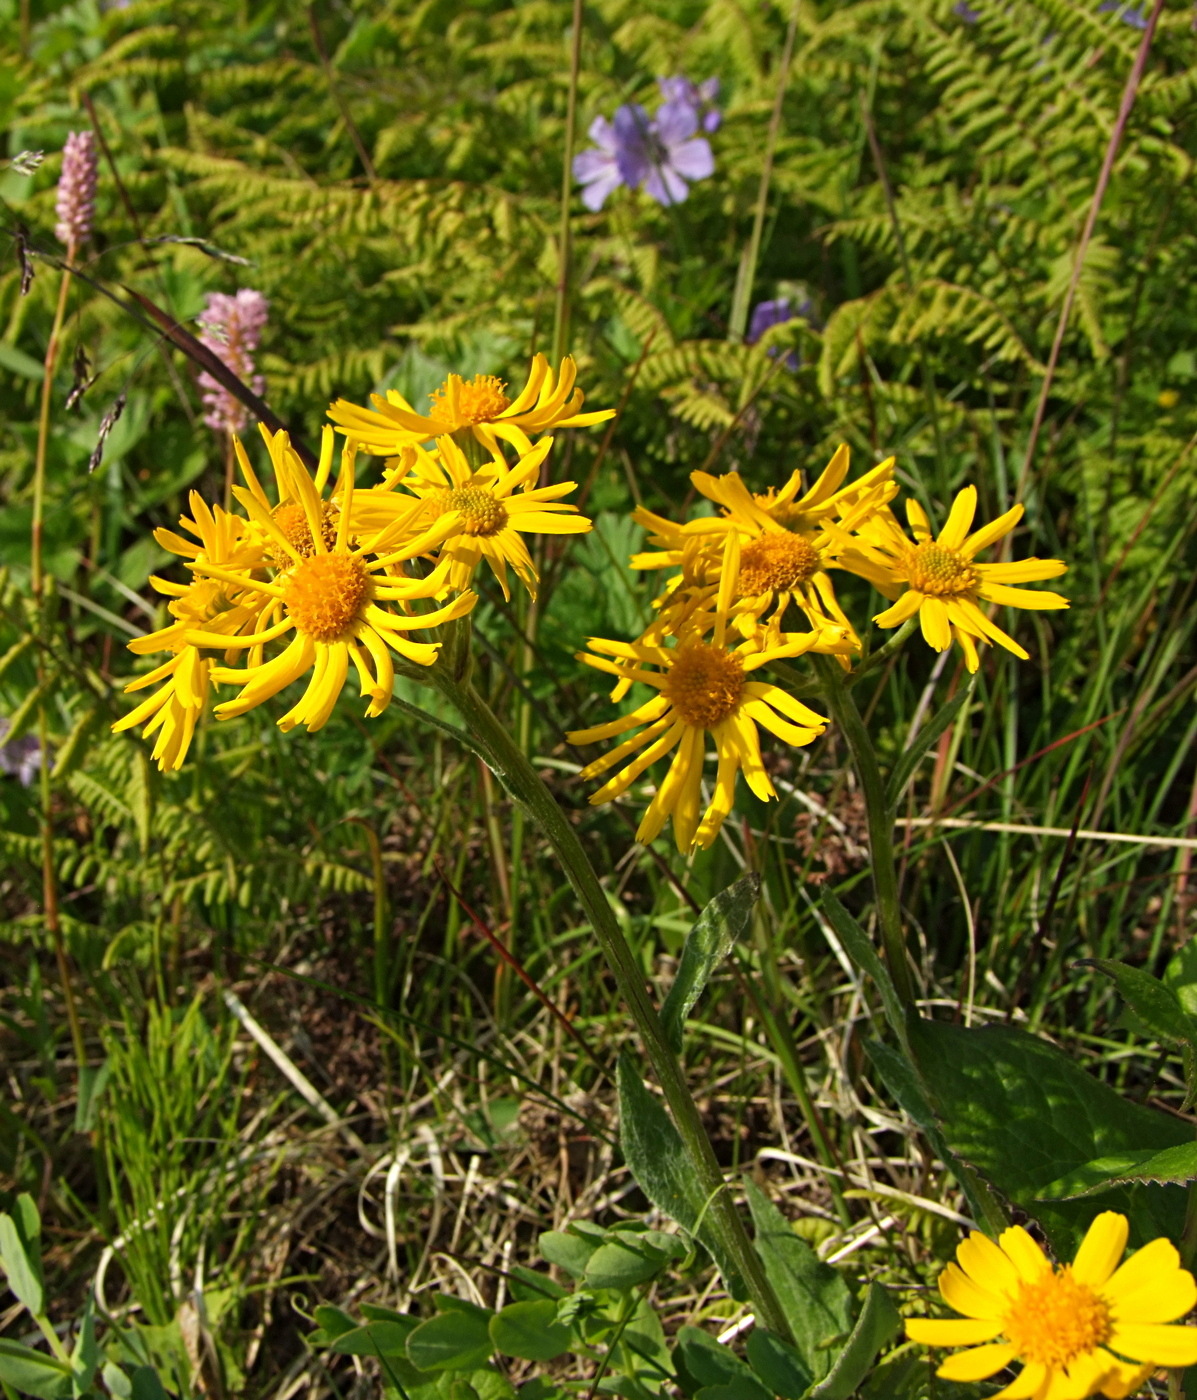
x=331 y=603
x=465 y=514
x=939 y=580
x=826 y=499
x=788 y=543
x=703 y=687
x=1063 y=1323
x=173 y=711
x=480 y=406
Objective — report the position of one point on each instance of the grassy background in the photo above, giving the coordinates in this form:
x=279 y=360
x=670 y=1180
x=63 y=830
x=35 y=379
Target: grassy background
x=336 y=885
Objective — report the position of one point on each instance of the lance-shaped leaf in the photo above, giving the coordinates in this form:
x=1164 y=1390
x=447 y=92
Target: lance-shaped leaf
x=1172 y=1164
x=710 y=940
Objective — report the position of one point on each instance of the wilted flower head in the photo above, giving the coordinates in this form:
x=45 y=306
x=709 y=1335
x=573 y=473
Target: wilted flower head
x=701 y=96
x=22 y=758
x=231 y=328
x=76 y=206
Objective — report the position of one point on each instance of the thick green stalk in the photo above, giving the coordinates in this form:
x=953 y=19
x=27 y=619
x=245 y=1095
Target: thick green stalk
x=880 y=821
x=511 y=765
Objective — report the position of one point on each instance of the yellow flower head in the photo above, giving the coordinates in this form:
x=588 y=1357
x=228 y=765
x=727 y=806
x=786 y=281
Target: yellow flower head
x=703 y=687
x=939 y=581
x=173 y=711
x=480 y=406
x=788 y=544
x=461 y=515
x=330 y=601
x=1064 y=1323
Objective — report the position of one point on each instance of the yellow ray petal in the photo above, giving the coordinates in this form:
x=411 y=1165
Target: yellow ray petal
x=978 y=1364
x=1101 y=1249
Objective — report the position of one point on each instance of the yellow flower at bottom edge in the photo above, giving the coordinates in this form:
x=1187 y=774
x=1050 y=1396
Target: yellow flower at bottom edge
x=1063 y=1322
x=939 y=581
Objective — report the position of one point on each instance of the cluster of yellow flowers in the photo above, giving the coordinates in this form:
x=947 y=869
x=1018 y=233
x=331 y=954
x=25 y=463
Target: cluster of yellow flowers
x=322 y=575
x=721 y=617
x=326 y=575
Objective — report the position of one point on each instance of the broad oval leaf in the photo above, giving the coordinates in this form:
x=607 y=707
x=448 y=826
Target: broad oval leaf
x=530 y=1331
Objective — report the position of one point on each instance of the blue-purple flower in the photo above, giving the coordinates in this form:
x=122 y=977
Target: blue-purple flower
x=963 y=10
x=766 y=314
x=701 y=96
x=619 y=156
x=661 y=153
x=22 y=757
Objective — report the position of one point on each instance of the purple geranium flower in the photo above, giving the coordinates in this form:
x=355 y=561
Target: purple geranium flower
x=1135 y=18
x=619 y=156
x=963 y=10
x=661 y=153
x=701 y=96
x=22 y=758
x=675 y=154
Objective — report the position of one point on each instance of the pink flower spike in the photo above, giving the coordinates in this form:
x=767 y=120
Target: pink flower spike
x=76 y=206
x=231 y=327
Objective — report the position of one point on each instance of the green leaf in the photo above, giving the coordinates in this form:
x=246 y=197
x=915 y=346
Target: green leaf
x=146 y=1385
x=33 y=1373
x=18 y=362
x=901 y=1078
x=92 y=1083
x=703 y=1364
x=374 y=1339
x=778 y=1364
x=1023 y=1113
x=713 y=936
x=814 y=1298
x=567 y=1250
x=1155 y=1004
x=739 y=1391
x=623 y=1262
x=530 y=1331
x=1181 y=976
x=1178 y=1164
x=451 y=1341
x=654 y=1153
x=332 y=1323
x=859 y=948
x=922 y=742
x=20 y=1252
x=878 y=1322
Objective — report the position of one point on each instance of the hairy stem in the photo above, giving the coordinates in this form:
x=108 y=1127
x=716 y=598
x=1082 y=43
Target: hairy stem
x=881 y=830
x=511 y=765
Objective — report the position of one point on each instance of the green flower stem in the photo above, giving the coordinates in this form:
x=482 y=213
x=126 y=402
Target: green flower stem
x=512 y=767
x=880 y=820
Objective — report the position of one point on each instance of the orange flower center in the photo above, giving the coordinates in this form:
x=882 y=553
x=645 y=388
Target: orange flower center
x=1055 y=1319
x=705 y=684
x=324 y=594
x=934 y=568
x=779 y=561
x=481 y=513
x=459 y=401
x=292 y=520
